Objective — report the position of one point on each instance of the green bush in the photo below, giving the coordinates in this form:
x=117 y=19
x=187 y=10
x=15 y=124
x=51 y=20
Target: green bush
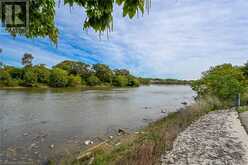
x=16 y=73
x=133 y=82
x=83 y=82
x=4 y=75
x=29 y=77
x=103 y=72
x=58 y=78
x=120 y=81
x=244 y=98
x=223 y=81
x=13 y=83
x=5 y=78
x=43 y=74
x=93 y=80
x=245 y=69
x=74 y=81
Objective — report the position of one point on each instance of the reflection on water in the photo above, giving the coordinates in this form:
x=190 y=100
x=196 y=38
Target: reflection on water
x=33 y=119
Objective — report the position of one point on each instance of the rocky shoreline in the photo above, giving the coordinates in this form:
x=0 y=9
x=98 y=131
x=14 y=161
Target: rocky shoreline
x=217 y=138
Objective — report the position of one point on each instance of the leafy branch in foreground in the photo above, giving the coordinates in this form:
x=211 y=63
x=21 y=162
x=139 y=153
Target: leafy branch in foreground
x=99 y=15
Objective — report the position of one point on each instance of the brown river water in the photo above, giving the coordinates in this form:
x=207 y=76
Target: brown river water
x=31 y=120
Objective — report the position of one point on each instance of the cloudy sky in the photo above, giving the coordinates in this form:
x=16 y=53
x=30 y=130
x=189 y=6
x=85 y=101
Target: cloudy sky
x=178 y=39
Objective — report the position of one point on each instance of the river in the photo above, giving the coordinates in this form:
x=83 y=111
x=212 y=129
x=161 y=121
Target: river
x=34 y=119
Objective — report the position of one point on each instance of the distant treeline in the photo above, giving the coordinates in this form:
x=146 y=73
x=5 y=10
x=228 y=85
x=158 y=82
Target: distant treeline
x=170 y=81
x=66 y=74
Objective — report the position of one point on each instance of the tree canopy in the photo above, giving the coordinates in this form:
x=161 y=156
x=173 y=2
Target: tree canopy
x=99 y=15
x=223 y=81
x=65 y=74
x=27 y=59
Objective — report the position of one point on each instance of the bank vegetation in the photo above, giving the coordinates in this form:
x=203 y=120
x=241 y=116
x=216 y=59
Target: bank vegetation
x=66 y=74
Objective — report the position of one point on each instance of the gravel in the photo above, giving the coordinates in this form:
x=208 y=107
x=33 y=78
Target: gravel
x=215 y=139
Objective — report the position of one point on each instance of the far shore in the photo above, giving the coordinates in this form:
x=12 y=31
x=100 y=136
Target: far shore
x=100 y=87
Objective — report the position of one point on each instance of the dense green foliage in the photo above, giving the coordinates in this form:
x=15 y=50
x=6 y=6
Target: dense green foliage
x=29 y=76
x=75 y=68
x=224 y=82
x=245 y=70
x=74 y=81
x=132 y=81
x=103 y=72
x=120 y=80
x=43 y=73
x=170 y=81
x=93 y=80
x=58 y=78
x=5 y=78
x=65 y=74
x=99 y=15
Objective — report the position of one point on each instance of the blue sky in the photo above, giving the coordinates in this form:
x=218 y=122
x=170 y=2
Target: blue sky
x=178 y=39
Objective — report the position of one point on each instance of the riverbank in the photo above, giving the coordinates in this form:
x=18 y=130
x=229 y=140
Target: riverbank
x=216 y=138
x=144 y=146
x=48 y=87
x=99 y=87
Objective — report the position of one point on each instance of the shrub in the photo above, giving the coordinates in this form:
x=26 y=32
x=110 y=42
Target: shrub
x=133 y=82
x=58 y=78
x=103 y=72
x=223 y=81
x=244 y=98
x=93 y=80
x=16 y=73
x=43 y=74
x=4 y=75
x=74 y=81
x=120 y=81
x=13 y=83
x=83 y=82
x=5 y=78
x=29 y=77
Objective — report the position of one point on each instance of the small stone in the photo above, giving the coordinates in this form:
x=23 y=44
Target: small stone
x=117 y=144
x=52 y=146
x=88 y=142
x=25 y=134
x=163 y=111
x=122 y=131
x=32 y=145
